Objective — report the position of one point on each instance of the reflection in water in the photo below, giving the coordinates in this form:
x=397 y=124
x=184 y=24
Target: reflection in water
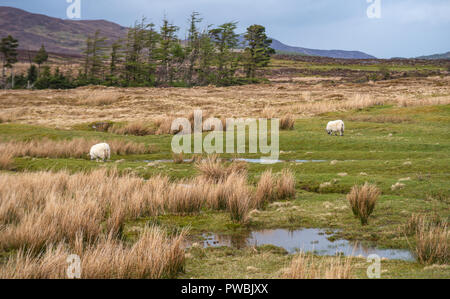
x=307 y=240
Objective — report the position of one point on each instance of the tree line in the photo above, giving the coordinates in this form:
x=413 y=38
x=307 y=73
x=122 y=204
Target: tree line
x=151 y=56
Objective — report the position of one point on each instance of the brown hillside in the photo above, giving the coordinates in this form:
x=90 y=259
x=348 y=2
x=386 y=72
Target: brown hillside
x=58 y=35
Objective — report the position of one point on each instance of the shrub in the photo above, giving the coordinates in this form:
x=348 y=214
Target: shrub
x=362 y=200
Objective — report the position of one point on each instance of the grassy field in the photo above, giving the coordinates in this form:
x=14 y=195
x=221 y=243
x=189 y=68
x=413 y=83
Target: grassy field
x=396 y=138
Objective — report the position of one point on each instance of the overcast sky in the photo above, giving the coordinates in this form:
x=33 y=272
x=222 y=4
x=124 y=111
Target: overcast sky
x=407 y=28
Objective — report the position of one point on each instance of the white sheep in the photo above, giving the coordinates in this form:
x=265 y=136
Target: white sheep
x=336 y=126
x=100 y=151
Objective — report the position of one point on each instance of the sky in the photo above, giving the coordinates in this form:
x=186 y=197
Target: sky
x=405 y=28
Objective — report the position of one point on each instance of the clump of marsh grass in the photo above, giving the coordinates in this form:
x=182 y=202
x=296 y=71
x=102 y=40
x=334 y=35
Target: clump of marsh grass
x=6 y=159
x=96 y=98
x=240 y=200
x=137 y=128
x=362 y=200
x=304 y=267
x=432 y=243
x=432 y=238
x=153 y=256
x=164 y=126
x=211 y=168
x=269 y=112
x=287 y=122
x=275 y=187
x=178 y=158
x=285 y=185
x=265 y=189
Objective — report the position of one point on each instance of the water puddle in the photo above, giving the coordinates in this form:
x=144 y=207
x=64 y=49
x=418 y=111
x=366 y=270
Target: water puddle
x=263 y=161
x=307 y=240
x=309 y=161
x=258 y=161
x=165 y=161
x=253 y=161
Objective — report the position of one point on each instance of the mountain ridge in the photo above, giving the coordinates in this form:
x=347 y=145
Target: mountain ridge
x=436 y=56
x=68 y=36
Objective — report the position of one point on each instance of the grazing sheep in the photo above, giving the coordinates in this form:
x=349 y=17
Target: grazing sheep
x=336 y=126
x=100 y=151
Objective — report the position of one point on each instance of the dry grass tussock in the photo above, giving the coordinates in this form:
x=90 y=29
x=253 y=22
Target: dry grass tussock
x=432 y=239
x=153 y=256
x=211 y=168
x=42 y=207
x=6 y=159
x=96 y=97
x=412 y=102
x=275 y=187
x=362 y=200
x=287 y=122
x=75 y=148
x=47 y=215
x=136 y=128
x=304 y=267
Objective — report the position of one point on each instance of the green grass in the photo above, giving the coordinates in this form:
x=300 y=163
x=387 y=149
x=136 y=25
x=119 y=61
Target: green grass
x=418 y=149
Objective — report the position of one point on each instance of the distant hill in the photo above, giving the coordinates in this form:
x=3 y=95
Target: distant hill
x=69 y=36
x=58 y=35
x=436 y=56
x=285 y=49
x=282 y=48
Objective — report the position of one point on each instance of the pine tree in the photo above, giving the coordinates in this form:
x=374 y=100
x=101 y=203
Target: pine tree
x=206 y=56
x=8 y=47
x=136 y=43
x=41 y=57
x=151 y=43
x=99 y=47
x=225 y=40
x=87 y=56
x=258 y=50
x=116 y=58
x=170 y=51
x=193 y=45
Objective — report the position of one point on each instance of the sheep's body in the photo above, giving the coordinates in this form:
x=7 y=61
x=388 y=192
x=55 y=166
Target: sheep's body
x=336 y=127
x=100 y=151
